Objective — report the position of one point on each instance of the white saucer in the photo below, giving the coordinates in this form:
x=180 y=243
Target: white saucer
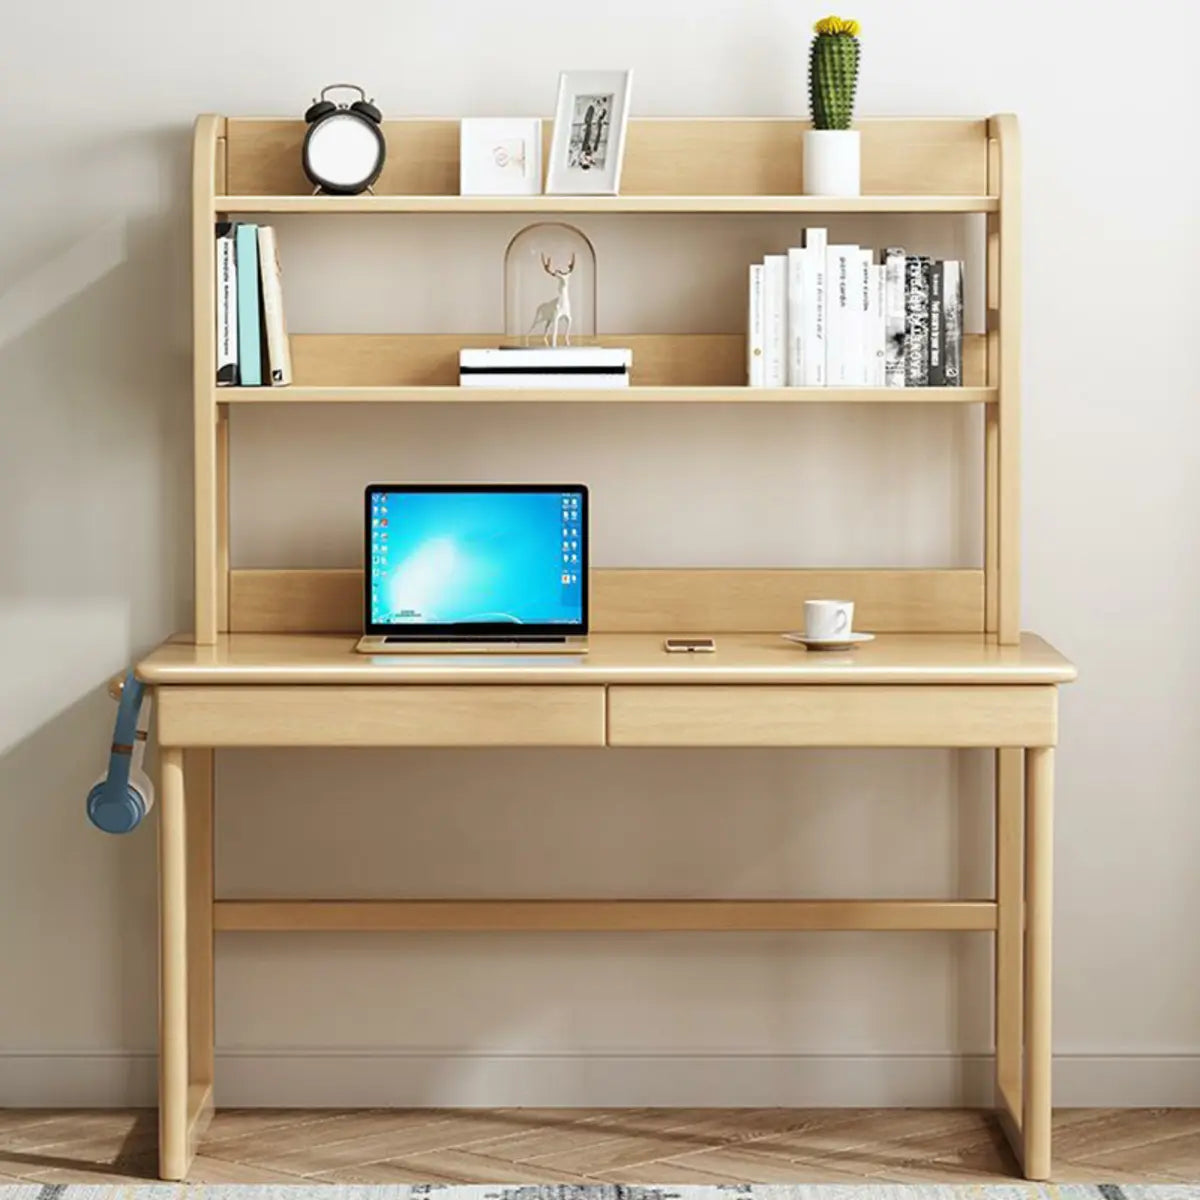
x=844 y=641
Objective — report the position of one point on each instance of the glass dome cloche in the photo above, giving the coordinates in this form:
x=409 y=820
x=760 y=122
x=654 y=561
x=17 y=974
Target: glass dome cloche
x=550 y=287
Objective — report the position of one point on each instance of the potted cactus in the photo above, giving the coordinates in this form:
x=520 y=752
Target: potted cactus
x=831 y=147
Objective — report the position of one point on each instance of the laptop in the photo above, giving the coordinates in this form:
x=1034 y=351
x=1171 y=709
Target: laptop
x=474 y=567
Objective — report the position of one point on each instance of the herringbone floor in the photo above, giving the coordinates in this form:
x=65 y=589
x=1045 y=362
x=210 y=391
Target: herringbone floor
x=521 y=1145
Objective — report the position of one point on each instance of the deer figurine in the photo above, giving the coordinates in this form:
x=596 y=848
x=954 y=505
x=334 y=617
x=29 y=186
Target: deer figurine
x=551 y=312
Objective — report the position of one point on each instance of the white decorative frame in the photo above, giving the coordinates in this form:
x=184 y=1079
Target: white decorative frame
x=500 y=156
x=565 y=178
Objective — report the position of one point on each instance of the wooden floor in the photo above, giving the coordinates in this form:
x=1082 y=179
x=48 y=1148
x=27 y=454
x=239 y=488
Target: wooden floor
x=518 y=1145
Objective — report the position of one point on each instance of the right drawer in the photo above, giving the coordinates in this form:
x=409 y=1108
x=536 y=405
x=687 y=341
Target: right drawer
x=832 y=715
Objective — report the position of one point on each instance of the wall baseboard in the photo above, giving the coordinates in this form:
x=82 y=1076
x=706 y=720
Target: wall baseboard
x=321 y=1078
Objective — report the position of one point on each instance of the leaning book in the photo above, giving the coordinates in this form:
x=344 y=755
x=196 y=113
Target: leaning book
x=279 y=353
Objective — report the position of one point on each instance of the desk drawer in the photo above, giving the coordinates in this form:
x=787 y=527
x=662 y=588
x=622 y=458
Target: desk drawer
x=835 y=715
x=380 y=716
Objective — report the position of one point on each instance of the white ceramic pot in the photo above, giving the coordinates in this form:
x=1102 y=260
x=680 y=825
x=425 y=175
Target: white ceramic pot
x=832 y=158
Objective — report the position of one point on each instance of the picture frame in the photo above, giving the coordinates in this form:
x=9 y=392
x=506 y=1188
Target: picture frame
x=500 y=156
x=587 y=150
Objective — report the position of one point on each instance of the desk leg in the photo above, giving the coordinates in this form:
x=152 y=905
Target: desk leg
x=198 y=782
x=1009 y=940
x=173 y=1159
x=1039 y=857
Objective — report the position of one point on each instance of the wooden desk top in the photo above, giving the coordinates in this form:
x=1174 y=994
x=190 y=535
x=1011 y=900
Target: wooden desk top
x=629 y=658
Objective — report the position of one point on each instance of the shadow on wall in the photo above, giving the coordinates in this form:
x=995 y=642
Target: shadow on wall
x=94 y=568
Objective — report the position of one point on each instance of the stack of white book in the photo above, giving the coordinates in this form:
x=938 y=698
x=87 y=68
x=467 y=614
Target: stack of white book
x=830 y=315
x=545 y=367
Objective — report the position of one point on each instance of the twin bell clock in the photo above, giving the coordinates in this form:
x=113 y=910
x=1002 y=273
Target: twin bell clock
x=344 y=148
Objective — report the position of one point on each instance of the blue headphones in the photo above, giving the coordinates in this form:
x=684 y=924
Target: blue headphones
x=118 y=802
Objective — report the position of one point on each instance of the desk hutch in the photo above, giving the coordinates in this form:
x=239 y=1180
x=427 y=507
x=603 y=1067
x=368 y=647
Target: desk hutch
x=271 y=664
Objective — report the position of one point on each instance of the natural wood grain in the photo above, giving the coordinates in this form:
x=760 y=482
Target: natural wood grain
x=1009 y=945
x=221 y=485
x=332 y=364
x=204 y=364
x=599 y=205
x=1005 y=335
x=991 y=515
x=380 y=716
x=629 y=600
x=1039 y=856
x=198 y=767
x=672 y=157
x=173 y=1150
x=667 y=1145
x=489 y=916
x=823 y=715
x=615 y=658
x=630 y=395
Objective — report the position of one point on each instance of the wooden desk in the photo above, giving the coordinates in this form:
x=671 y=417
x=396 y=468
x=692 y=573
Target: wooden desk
x=946 y=690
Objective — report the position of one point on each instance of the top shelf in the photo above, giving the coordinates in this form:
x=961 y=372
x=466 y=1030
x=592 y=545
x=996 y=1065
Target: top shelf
x=605 y=204
x=671 y=165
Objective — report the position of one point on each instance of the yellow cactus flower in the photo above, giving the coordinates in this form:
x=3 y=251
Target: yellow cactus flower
x=836 y=25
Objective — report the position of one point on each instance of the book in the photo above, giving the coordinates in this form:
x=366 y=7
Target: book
x=249 y=319
x=544 y=379
x=561 y=359
x=916 y=320
x=894 y=316
x=797 y=269
x=845 y=301
x=859 y=348
x=562 y=367
x=815 y=307
x=227 y=310
x=937 y=375
x=875 y=339
x=755 y=366
x=775 y=319
x=279 y=351
x=952 y=322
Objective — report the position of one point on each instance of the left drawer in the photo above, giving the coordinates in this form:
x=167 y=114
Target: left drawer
x=320 y=715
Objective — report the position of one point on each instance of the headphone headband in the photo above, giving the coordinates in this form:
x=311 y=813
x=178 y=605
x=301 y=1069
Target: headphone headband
x=125 y=735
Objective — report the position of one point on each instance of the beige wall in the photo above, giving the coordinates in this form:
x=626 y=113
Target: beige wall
x=94 y=553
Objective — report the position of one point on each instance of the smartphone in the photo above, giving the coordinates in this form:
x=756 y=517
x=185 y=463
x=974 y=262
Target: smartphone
x=701 y=645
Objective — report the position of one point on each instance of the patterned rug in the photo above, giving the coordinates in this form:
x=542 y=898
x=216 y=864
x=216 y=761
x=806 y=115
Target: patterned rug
x=816 y=1191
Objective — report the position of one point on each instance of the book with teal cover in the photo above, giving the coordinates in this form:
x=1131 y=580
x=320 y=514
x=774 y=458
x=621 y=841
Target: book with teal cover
x=249 y=319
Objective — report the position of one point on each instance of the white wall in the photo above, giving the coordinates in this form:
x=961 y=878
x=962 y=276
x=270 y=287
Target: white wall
x=95 y=546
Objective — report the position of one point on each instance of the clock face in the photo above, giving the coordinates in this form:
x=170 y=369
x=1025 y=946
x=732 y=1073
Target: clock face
x=343 y=151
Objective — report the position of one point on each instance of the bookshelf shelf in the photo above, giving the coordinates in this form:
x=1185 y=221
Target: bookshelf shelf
x=630 y=395
x=606 y=204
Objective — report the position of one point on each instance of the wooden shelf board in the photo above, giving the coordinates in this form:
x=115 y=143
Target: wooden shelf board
x=606 y=204
x=631 y=395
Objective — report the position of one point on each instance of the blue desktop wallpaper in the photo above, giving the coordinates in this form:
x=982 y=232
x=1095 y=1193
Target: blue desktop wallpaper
x=451 y=557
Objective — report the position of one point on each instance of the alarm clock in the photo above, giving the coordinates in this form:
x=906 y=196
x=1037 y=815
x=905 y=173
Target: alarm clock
x=344 y=148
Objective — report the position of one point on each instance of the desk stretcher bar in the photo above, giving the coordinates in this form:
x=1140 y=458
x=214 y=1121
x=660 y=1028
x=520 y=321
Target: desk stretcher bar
x=599 y=916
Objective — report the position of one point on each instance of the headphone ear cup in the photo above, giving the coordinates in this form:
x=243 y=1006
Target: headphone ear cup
x=116 y=810
x=322 y=108
x=144 y=785
x=365 y=108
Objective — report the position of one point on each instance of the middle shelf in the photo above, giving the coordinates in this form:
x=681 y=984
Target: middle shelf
x=333 y=368
x=629 y=395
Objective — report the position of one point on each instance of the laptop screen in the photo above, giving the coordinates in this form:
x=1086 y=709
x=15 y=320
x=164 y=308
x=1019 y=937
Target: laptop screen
x=476 y=558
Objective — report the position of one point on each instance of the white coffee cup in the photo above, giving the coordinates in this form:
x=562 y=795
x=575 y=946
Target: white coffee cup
x=826 y=620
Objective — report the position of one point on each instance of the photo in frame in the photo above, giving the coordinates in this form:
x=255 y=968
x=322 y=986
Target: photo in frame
x=588 y=146
x=500 y=156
